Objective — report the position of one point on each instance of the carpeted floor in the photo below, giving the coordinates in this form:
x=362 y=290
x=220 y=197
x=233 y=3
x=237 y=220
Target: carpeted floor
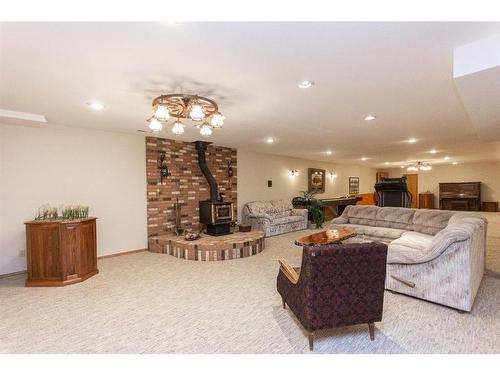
x=155 y=303
x=493 y=254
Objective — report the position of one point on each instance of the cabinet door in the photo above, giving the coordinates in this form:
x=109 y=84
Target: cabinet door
x=88 y=248
x=70 y=243
x=43 y=252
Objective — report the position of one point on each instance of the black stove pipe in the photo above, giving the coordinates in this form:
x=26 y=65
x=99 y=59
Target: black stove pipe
x=201 y=147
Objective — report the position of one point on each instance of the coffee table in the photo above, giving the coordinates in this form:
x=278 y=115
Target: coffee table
x=325 y=237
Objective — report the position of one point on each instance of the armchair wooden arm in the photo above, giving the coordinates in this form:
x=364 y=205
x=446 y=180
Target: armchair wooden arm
x=288 y=271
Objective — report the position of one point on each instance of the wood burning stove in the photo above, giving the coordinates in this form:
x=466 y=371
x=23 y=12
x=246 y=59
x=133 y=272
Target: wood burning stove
x=216 y=214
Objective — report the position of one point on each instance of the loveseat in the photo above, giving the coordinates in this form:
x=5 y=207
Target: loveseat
x=434 y=255
x=274 y=217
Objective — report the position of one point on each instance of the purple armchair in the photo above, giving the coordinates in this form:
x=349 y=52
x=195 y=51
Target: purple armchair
x=336 y=285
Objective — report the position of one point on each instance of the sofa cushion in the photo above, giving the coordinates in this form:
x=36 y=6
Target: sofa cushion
x=378 y=233
x=288 y=219
x=280 y=208
x=395 y=217
x=411 y=247
x=363 y=215
x=259 y=207
x=282 y=205
x=431 y=221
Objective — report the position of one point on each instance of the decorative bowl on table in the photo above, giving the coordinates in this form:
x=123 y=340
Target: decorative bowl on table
x=191 y=236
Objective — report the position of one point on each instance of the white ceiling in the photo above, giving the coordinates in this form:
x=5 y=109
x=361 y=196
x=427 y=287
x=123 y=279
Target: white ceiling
x=400 y=72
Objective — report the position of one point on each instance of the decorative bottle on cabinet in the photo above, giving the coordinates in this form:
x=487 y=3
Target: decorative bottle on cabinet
x=60 y=252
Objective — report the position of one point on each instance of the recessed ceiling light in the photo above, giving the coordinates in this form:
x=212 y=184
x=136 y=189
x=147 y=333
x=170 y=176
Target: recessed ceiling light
x=363 y=158
x=328 y=152
x=446 y=158
x=401 y=166
x=432 y=151
x=454 y=163
x=386 y=163
x=412 y=140
x=305 y=84
x=96 y=106
x=270 y=140
x=370 y=118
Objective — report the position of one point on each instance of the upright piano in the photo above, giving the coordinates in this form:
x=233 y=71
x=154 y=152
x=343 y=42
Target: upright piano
x=460 y=196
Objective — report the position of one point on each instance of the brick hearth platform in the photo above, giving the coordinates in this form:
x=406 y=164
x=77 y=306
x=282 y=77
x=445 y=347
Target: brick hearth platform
x=209 y=248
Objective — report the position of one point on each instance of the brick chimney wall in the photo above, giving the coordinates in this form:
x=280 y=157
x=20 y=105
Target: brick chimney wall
x=185 y=183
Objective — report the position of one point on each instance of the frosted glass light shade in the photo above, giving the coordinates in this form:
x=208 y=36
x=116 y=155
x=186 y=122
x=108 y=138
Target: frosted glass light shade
x=155 y=125
x=162 y=113
x=178 y=128
x=197 y=113
x=206 y=130
x=217 y=120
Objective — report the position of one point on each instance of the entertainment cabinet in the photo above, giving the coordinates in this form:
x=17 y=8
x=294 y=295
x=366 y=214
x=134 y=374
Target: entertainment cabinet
x=60 y=252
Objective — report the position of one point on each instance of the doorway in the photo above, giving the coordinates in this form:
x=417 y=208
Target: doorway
x=412 y=183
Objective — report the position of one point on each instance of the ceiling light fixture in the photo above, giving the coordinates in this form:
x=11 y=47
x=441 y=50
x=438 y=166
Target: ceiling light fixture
x=454 y=163
x=363 y=158
x=419 y=166
x=370 y=118
x=96 y=106
x=432 y=151
x=446 y=158
x=190 y=107
x=328 y=152
x=386 y=163
x=305 y=84
x=270 y=140
x=412 y=140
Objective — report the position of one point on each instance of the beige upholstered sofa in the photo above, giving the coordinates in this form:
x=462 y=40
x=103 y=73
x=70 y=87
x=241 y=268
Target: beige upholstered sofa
x=434 y=255
x=274 y=217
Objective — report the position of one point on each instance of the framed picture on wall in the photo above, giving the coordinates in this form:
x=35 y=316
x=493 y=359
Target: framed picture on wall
x=353 y=185
x=316 y=180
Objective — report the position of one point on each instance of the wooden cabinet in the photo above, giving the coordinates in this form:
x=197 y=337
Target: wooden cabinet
x=490 y=206
x=426 y=200
x=61 y=252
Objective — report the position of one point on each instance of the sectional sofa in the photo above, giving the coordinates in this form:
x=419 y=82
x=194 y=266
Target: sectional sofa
x=434 y=255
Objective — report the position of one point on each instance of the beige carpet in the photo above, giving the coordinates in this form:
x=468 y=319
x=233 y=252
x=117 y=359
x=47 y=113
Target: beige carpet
x=493 y=254
x=155 y=303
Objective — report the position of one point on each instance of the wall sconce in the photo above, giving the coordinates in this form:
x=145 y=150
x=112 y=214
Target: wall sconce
x=162 y=166
x=333 y=175
x=293 y=173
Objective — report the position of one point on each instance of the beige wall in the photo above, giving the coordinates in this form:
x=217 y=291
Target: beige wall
x=487 y=172
x=63 y=165
x=255 y=169
x=106 y=170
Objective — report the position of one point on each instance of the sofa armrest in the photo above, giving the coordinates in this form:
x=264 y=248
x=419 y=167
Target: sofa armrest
x=299 y=212
x=448 y=236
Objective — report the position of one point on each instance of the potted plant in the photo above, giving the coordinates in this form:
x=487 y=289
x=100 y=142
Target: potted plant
x=315 y=213
x=317 y=216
